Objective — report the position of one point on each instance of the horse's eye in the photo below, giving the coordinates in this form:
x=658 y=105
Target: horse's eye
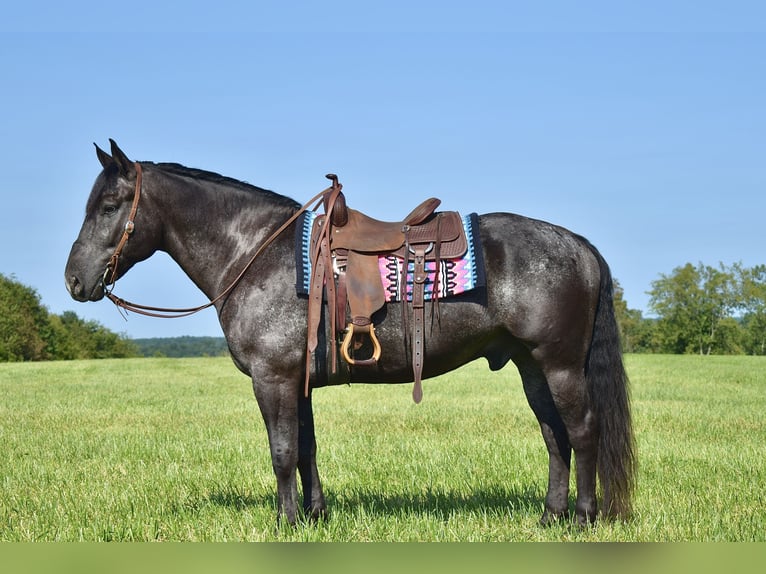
x=110 y=209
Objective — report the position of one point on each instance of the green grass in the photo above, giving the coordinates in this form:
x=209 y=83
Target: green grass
x=175 y=449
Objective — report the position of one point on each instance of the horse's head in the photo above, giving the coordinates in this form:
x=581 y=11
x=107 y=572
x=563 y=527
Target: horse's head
x=108 y=245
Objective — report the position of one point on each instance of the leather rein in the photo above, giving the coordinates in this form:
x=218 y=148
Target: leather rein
x=110 y=273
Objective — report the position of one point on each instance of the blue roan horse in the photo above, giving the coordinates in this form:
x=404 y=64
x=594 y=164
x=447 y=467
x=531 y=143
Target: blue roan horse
x=547 y=307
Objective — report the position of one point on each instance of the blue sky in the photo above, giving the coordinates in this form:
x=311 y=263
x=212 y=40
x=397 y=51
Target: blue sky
x=637 y=124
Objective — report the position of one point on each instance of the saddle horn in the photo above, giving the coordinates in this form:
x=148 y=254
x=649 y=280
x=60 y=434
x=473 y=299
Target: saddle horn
x=336 y=209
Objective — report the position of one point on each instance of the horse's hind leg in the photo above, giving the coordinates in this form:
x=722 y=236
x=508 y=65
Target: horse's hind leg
x=568 y=391
x=313 y=499
x=556 y=440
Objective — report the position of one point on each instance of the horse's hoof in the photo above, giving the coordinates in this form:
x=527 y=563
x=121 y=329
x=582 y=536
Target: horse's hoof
x=314 y=515
x=550 y=517
x=586 y=520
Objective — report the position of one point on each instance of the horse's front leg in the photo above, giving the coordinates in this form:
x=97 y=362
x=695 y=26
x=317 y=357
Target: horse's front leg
x=313 y=499
x=278 y=401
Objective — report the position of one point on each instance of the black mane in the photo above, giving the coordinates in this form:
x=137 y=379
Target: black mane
x=212 y=177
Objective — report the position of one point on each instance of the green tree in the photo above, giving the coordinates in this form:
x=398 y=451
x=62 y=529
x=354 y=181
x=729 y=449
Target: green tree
x=636 y=333
x=694 y=306
x=753 y=292
x=23 y=322
x=80 y=339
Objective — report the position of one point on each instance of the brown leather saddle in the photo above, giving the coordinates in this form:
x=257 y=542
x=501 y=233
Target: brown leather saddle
x=345 y=246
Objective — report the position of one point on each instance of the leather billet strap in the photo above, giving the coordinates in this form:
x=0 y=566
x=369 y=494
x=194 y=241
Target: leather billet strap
x=419 y=279
x=418 y=307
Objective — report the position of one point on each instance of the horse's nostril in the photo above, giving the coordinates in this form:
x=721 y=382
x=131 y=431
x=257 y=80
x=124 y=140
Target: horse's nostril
x=74 y=286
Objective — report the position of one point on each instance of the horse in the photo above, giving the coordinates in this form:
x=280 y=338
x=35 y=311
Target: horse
x=547 y=306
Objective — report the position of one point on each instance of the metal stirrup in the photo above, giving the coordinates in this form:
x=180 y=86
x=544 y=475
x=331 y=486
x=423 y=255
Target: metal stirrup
x=361 y=362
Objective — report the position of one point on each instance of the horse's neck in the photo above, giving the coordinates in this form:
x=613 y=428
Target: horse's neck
x=212 y=231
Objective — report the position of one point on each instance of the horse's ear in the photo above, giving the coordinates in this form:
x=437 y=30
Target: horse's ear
x=127 y=168
x=104 y=158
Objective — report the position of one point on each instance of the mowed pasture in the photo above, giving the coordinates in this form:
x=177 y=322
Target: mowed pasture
x=175 y=449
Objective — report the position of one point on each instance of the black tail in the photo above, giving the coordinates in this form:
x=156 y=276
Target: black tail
x=607 y=384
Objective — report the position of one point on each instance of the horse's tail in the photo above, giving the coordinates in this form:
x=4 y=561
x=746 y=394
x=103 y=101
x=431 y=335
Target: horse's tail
x=607 y=384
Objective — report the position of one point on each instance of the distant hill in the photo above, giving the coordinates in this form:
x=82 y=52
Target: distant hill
x=182 y=347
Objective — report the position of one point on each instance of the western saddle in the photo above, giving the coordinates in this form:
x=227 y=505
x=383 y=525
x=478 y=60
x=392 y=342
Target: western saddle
x=345 y=246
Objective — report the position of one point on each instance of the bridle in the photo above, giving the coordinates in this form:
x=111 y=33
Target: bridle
x=110 y=273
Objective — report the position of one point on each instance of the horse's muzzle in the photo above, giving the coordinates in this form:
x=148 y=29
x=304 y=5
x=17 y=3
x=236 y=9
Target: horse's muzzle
x=80 y=292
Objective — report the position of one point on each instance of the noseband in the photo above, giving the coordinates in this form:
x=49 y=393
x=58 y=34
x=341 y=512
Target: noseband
x=110 y=274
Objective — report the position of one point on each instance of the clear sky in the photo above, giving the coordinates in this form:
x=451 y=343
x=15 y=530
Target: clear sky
x=640 y=125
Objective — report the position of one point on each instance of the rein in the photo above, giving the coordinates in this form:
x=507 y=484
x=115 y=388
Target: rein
x=110 y=274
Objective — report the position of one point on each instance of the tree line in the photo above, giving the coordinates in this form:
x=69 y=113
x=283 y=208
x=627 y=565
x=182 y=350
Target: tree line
x=695 y=309
x=699 y=309
x=28 y=332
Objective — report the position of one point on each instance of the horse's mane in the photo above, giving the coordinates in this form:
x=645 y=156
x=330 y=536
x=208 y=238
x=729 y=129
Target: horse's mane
x=212 y=177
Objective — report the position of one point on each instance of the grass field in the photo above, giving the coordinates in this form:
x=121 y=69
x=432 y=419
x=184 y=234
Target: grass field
x=175 y=449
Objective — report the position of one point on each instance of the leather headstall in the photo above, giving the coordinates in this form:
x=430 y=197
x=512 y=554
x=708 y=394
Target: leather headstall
x=110 y=274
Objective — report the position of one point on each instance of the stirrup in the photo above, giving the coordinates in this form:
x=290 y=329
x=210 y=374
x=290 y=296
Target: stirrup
x=347 y=343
